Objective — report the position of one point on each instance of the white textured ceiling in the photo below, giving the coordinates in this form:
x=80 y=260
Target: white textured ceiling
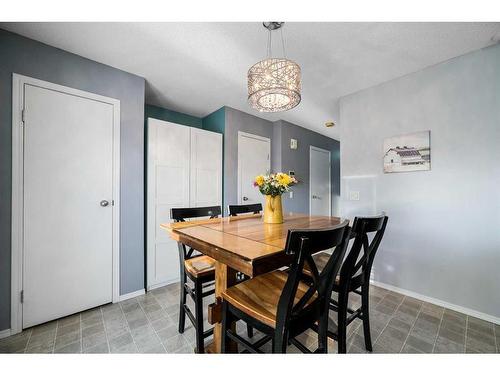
x=196 y=68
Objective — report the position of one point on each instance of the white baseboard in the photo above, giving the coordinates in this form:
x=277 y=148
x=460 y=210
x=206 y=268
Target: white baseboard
x=435 y=301
x=137 y=293
x=165 y=283
x=5 y=333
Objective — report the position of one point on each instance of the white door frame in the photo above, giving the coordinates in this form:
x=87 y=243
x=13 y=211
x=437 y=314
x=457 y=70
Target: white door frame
x=329 y=179
x=18 y=84
x=249 y=135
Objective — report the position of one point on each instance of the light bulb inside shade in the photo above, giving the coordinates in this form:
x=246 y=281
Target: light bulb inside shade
x=274 y=85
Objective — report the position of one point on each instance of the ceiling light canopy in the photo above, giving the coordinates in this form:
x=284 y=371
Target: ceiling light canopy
x=274 y=84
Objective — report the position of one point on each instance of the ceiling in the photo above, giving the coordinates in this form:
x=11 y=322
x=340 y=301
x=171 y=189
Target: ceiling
x=196 y=68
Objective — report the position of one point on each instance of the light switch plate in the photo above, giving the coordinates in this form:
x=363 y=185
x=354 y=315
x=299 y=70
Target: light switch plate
x=293 y=144
x=354 y=195
x=291 y=194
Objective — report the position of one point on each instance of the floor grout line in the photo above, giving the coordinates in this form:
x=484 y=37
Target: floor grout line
x=55 y=336
x=149 y=321
x=412 y=326
x=355 y=331
x=495 y=336
x=105 y=330
x=391 y=316
x=128 y=327
x=466 y=332
x=439 y=329
x=29 y=339
x=81 y=333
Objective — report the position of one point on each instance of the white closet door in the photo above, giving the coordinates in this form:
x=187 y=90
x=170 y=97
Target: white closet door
x=68 y=171
x=168 y=186
x=206 y=168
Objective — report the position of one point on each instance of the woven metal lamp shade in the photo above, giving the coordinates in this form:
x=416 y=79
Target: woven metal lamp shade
x=274 y=85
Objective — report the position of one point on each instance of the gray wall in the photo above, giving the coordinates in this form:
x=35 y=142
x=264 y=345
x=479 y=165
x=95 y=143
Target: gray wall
x=298 y=161
x=238 y=121
x=443 y=237
x=37 y=60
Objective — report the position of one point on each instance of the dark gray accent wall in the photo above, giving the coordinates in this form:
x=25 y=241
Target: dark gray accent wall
x=238 y=121
x=37 y=60
x=298 y=161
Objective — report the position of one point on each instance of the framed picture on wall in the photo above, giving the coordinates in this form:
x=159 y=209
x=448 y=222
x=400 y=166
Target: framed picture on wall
x=408 y=153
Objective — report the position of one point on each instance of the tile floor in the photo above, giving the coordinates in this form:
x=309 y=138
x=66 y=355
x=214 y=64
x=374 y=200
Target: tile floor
x=148 y=324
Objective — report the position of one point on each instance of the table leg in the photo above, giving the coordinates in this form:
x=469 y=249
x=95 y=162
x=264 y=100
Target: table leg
x=224 y=278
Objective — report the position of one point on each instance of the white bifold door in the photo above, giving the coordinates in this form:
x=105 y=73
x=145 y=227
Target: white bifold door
x=184 y=170
x=68 y=204
x=319 y=182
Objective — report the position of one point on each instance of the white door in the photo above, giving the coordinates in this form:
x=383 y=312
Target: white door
x=184 y=170
x=254 y=158
x=68 y=232
x=319 y=182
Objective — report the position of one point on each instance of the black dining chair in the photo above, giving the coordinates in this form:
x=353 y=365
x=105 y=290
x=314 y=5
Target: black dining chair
x=279 y=304
x=200 y=270
x=354 y=277
x=237 y=209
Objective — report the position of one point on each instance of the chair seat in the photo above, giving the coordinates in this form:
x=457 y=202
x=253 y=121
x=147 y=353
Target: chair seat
x=200 y=266
x=258 y=297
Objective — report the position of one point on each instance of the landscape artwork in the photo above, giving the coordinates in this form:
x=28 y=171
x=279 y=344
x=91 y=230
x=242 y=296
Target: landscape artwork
x=408 y=152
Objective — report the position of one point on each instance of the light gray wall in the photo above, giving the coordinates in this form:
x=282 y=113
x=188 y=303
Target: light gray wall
x=238 y=121
x=443 y=235
x=298 y=161
x=37 y=60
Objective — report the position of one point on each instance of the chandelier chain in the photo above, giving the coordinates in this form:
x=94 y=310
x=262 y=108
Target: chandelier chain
x=283 y=42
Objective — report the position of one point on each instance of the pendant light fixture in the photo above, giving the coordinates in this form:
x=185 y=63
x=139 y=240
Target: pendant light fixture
x=274 y=83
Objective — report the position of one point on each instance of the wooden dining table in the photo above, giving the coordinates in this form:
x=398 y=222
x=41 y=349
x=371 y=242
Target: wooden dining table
x=240 y=243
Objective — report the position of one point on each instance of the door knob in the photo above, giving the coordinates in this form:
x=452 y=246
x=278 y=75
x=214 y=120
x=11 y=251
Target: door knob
x=245 y=198
x=104 y=203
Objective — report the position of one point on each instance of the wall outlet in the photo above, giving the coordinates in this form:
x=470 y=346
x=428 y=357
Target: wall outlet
x=293 y=144
x=354 y=195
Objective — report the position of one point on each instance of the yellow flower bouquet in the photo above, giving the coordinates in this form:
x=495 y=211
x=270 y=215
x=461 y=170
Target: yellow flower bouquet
x=273 y=186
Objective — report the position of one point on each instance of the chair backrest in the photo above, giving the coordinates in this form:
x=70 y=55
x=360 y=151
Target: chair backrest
x=181 y=214
x=236 y=209
x=301 y=245
x=360 y=258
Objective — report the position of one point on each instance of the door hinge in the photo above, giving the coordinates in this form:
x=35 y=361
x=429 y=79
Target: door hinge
x=23 y=116
x=22 y=296
x=113 y=202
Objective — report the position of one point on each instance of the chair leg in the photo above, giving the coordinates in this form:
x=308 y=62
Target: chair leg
x=365 y=311
x=280 y=343
x=182 y=303
x=323 y=333
x=198 y=306
x=249 y=331
x=224 y=325
x=342 y=322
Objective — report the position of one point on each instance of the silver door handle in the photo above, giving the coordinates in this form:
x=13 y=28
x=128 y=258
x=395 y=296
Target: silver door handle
x=245 y=198
x=104 y=203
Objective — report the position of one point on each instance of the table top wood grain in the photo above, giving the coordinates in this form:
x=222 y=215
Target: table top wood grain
x=245 y=243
